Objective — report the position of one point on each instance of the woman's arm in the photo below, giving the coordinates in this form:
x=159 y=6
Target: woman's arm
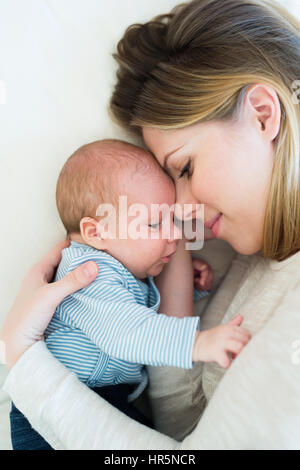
x=256 y=405
x=176 y=284
x=67 y=413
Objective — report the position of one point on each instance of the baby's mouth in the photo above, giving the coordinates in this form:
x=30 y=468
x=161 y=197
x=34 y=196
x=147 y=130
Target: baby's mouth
x=167 y=258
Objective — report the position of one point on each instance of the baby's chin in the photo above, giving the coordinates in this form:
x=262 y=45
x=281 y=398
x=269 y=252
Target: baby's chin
x=155 y=270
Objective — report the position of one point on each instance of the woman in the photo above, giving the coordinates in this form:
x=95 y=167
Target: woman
x=209 y=87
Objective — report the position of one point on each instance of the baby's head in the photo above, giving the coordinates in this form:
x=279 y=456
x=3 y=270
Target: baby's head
x=104 y=172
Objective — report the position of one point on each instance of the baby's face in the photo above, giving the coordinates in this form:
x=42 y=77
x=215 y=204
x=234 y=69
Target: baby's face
x=146 y=256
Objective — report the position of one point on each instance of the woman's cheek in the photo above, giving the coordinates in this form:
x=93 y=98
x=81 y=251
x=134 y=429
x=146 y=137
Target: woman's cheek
x=204 y=185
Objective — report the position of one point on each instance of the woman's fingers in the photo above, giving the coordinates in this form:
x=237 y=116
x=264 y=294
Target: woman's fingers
x=52 y=259
x=81 y=277
x=37 y=300
x=49 y=296
x=43 y=304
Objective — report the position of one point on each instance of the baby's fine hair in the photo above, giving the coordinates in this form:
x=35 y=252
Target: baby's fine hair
x=93 y=175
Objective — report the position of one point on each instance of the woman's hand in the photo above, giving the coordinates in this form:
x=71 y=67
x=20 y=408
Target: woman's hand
x=37 y=300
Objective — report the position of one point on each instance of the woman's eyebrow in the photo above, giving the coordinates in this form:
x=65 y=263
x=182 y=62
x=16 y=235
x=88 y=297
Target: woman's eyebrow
x=166 y=157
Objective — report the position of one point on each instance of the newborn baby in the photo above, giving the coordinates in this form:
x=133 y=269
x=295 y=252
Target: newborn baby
x=108 y=331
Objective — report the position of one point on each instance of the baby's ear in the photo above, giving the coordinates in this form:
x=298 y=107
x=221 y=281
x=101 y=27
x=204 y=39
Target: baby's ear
x=90 y=230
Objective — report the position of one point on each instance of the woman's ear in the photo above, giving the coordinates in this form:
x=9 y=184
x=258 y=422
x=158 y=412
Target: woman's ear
x=263 y=103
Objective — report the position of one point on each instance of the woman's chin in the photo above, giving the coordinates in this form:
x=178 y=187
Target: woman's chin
x=245 y=249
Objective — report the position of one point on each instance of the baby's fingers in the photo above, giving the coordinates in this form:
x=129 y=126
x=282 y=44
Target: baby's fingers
x=210 y=279
x=199 y=265
x=224 y=361
x=240 y=334
x=234 y=346
x=237 y=320
x=200 y=280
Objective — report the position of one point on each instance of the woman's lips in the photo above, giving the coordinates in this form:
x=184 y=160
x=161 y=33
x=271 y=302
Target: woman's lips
x=214 y=224
x=211 y=222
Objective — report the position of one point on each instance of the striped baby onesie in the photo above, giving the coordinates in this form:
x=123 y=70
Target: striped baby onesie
x=107 y=331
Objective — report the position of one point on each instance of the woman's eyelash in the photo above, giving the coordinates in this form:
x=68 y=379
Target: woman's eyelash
x=186 y=169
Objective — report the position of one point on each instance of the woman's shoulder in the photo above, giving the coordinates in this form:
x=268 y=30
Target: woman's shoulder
x=292 y=264
x=288 y=266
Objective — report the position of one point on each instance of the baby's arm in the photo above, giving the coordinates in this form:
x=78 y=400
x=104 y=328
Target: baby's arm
x=127 y=330
x=176 y=284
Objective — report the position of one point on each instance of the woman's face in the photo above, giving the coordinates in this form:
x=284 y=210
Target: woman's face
x=225 y=166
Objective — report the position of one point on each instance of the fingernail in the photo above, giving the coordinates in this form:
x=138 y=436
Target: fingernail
x=90 y=269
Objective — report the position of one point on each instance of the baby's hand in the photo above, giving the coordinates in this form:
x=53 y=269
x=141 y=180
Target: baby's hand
x=214 y=344
x=203 y=275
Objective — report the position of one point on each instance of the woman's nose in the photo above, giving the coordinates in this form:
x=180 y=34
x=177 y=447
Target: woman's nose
x=188 y=211
x=186 y=207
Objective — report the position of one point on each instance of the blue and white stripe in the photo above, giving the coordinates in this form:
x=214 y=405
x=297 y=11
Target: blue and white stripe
x=108 y=330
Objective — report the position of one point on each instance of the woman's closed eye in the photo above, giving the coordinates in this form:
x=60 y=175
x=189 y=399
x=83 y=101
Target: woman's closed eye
x=185 y=170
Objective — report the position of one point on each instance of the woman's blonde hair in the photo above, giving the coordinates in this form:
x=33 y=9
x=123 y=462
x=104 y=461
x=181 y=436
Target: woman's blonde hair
x=196 y=63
